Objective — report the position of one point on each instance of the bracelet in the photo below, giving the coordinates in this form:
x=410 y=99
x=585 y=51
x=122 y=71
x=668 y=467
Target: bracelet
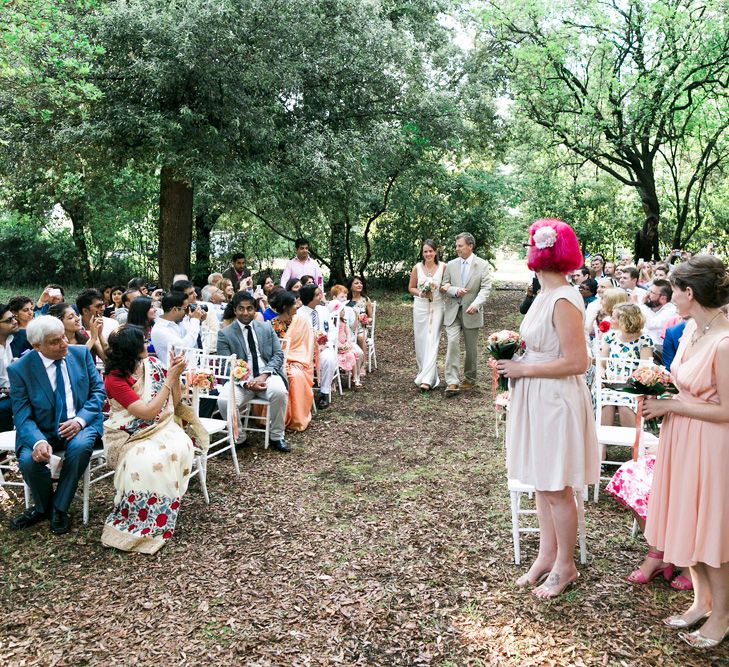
x=168 y=387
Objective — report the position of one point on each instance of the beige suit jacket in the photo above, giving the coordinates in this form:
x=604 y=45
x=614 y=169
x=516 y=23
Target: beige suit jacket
x=478 y=284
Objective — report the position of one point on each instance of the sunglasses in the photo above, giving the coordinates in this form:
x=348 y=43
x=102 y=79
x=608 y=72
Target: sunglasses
x=8 y=320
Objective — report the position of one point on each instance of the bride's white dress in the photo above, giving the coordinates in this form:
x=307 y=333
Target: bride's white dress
x=427 y=323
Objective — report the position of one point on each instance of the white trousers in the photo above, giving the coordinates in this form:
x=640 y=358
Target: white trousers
x=275 y=392
x=328 y=362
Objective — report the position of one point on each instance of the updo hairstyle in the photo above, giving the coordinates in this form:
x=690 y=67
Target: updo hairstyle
x=706 y=275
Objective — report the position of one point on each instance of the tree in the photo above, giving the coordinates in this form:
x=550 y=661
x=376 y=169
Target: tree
x=626 y=86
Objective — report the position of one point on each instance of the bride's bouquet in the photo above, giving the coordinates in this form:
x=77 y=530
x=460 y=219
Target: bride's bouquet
x=427 y=286
x=504 y=345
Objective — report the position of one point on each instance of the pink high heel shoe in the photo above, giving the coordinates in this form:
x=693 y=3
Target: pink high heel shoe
x=637 y=577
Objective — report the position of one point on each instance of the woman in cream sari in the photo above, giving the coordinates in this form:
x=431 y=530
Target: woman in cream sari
x=150 y=452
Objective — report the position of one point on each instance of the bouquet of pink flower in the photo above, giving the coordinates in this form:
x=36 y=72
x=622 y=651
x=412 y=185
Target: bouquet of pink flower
x=649 y=381
x=427 y=286
x=322 y=339
x=363 y=319
x=504 y=344
x=241 y=371
x=502 y=400
x=203 y=379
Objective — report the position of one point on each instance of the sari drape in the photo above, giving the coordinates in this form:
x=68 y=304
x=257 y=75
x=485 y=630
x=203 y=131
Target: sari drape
x=300 y=374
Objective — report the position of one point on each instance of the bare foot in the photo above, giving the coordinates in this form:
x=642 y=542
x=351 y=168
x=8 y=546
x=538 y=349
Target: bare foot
x=537 y=572
x=556 y=584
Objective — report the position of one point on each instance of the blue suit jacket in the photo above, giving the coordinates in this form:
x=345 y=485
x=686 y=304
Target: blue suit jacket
x=34 y=401
x=670 y=343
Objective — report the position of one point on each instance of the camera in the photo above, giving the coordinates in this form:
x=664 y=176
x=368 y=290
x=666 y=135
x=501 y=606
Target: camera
x=204 y=306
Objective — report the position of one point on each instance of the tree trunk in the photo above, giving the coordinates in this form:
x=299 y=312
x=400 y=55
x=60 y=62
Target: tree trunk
x=646 y=240
x=175 y=225
x=78 y=232
x=338 y=251
x=204 y=222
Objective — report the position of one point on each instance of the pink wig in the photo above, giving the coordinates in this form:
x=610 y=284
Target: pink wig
x=561 y=257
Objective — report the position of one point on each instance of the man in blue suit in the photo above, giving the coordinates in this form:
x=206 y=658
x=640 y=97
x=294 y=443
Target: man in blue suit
x=57 y=398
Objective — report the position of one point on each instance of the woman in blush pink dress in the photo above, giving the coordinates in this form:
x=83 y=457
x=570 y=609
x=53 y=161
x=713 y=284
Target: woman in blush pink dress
x=688 y=510
x=550 y=433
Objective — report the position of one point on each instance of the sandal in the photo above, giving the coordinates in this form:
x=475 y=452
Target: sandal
x=697 y=640
x=637 y=577
x=681 y=583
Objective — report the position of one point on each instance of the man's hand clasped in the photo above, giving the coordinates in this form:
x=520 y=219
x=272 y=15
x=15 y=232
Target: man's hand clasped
x=257 y=383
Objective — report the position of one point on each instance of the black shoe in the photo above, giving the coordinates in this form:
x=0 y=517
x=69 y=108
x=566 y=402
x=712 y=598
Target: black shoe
x=279 y=445
x=60 y=522
x=323 y=401
x=30 y=517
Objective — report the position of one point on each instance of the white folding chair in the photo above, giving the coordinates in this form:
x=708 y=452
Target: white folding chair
x=95 y=472
x=10 y=464
x=517 y=491
x=610 y=371
x=371 y=349
x=219 y=430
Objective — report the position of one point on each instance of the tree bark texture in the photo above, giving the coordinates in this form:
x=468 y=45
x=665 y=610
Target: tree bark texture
x=338 y=250
x=78 y=232
x=175 y=225
x=204 y=222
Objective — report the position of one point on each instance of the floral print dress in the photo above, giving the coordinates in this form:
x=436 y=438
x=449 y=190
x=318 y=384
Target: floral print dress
x=623 y=351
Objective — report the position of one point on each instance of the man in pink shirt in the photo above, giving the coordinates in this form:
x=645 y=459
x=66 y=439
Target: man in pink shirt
x=302 y=265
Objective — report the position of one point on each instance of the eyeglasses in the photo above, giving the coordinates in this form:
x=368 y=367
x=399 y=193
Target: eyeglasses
x=8 y=320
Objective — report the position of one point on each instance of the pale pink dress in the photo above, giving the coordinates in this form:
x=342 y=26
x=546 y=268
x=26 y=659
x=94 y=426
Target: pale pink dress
x=551 y=441
x=688 y=509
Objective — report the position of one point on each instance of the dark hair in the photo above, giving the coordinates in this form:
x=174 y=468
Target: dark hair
x=86 y=297
x=125 y=345
x=172 y=300
x=136 y=283
x=241 y=296
x=15 y=303
x=229 y=312
x=237 y=256
x=126 y=295
x=632 y=271
x=431 y=244
x=282 y=301
x=307 y=292
x=301 y=241
x=291 y=282
x=585 y=271
x=305 y=280
x=590 y=284
x=706 y=275
x=274 y=294
x=138 y=312
x=664 y=286
x=4 y=308
x=58 y=287
x=364 y=284
x=181 y=285
x=59 y=310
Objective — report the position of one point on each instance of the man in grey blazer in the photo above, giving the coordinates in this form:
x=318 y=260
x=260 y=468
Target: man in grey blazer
x=465 y=286
x=257 y=343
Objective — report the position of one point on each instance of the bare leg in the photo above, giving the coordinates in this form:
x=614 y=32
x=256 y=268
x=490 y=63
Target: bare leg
x=564 y=526
x=627 y=417
x=608 y=415
x=718 y=583
x=702 y=603
x=547 y=545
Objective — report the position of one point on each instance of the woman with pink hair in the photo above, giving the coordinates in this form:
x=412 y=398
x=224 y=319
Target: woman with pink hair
x=550 y=435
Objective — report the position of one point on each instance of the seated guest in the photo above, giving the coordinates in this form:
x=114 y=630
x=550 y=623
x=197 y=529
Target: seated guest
x=115 y=301
x=139 y=285
x=318 y=316
x=293 y=285
x=127 y=297
x=257 y=344
x=228 y=315
x=74 y=331
x=51 y=295
x=57 y=397
x=350 y=354
x=660 y=272
x=299 y=363
x=22 y=308
x=658 y=310
x=143 y=314
x=150 y=452
x=597 y=266
x=271 y=312
x=588 y=291
x=608 y=301
x=580 y=275
x=192 y=306
x=237 y=273
x=226 y=287
x=8 y=328
x=362 y=305
x=629 y=282
x=530 y=295
x=671 y=339
x=90 y=307
x=625 y=342
x=593 y=309
x=215 y=278
x=167 y=332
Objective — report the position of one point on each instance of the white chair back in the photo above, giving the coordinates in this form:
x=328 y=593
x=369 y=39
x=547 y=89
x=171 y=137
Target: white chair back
x=371 y=348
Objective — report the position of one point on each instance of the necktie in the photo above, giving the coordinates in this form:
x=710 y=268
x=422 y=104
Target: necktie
x=315 y=320
x=252 y=349
x=61 y=408
x=464 y=271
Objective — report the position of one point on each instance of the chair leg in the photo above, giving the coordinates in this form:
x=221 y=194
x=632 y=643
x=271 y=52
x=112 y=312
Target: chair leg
x=86 y=492
x=233 y=454
x=268 y=429
x=26 y=493
x=581 y=532
x=515 y=526
x=203 y=477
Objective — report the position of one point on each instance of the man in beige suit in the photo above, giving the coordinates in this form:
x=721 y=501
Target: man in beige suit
x=465 y=286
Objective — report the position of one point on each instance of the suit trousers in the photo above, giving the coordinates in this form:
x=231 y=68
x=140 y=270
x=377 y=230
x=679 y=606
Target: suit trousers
x=6 y=414
x=328 y=362
x=275 y=393
x=38 y=477
x=453 y=351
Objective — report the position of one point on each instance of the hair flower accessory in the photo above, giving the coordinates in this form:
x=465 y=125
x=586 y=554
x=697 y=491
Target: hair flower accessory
x=545 y=237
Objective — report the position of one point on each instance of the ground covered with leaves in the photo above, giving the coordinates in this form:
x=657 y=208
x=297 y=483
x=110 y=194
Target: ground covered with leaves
x=383 y=539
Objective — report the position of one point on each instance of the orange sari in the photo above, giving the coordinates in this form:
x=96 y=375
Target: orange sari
x=300 y=374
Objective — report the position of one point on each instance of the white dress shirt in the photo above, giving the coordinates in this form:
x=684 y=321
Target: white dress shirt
x=261 y=362
x=166 y=333
x=465 y=268
x=656 y=320
x=6 y=358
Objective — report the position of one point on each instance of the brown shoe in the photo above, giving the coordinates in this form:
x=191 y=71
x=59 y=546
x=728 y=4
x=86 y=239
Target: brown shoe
x=467 y=386
x=452 y=390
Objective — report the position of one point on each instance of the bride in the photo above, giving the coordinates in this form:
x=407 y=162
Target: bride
x=425 y=279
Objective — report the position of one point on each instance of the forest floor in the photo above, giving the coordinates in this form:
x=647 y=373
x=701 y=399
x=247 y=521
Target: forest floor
x=382 y=539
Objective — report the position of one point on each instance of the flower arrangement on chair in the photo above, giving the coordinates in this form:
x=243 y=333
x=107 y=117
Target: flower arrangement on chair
x=241 y=371
x=203 y=379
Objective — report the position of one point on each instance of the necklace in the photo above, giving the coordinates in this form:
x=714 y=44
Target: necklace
x=429 y=272
x=704 y=331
